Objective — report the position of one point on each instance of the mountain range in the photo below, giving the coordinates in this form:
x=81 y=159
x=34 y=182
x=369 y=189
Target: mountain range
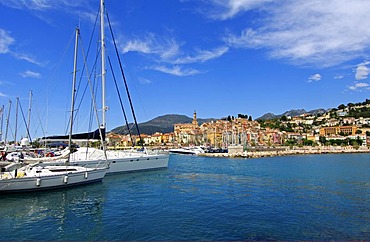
x=162 y=124
x=165 y=123
x=292 y=113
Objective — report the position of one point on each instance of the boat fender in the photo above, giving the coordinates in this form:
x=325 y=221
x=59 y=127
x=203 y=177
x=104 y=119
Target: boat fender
x=20 y=175
x=50 y=154
x=65 y=179
x=38 y=182
x=86 y=175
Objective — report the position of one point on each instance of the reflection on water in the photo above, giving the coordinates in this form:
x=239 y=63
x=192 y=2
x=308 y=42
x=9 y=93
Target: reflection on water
x=283 y=198
x=55 y=213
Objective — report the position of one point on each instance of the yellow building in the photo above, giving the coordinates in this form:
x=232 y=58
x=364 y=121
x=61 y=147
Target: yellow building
x=336 y=130
x=188 y=133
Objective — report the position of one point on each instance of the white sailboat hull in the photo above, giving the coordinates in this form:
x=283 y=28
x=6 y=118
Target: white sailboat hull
x=118 y=161
x=55 y=181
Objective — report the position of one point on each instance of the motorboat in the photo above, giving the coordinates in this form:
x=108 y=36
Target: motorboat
x=187 y=150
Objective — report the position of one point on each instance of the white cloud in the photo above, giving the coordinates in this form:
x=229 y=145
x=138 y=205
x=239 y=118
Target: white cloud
x=167 y=51
x=43 y=5
x=27 y=58
x=226 y=9
x=202 y=56
x=151 y=44
x=319 y=33
x=5 y=41
x=176 y=70
x=359 y=86
x=316 y=77
x=30 y=74
x=3 y=95
x=362 y=71
x=144 y=81
x=338 y=77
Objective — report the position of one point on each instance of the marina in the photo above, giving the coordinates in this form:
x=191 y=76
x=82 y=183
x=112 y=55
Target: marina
x=311 y=197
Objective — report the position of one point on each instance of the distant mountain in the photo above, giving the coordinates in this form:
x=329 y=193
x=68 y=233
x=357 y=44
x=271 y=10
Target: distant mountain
x=162 y=124
x=165 y=123
x=292 y=113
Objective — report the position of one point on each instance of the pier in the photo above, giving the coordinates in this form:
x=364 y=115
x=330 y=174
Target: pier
x=285 y=151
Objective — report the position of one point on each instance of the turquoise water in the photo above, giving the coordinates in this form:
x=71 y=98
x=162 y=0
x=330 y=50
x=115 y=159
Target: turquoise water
x=318 y=197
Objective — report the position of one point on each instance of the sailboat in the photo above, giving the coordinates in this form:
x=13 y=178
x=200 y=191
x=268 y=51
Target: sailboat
x=119 y=161
x=23 y=177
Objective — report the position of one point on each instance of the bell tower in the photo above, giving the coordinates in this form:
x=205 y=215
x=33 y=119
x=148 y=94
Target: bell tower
x=195 y=122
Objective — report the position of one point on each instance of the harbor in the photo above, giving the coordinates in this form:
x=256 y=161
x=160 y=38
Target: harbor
x=314 y=197
x=286 y=151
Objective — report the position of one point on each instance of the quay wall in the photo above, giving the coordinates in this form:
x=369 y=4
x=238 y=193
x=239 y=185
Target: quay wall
x=288 y=151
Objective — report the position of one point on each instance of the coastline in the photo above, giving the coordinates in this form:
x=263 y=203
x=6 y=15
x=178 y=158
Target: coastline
x=288 y=151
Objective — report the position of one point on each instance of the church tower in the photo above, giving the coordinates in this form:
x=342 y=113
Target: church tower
x=195 y=122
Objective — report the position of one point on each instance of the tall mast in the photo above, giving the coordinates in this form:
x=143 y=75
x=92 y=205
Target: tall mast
x=103 y=71
x=73 y=89
x=1 y=124
x=7 y=121
x=29 y=114
x=16 y=121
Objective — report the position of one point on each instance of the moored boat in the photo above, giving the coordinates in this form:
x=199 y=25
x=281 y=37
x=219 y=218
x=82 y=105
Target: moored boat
x=31 y=178
x=187 y=150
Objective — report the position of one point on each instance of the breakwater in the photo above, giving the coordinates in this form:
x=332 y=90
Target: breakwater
x=281 y=151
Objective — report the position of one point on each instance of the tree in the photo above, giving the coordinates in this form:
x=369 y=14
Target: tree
x=342 y=106
x=359 y=131
x=283 y=118
x=250 y=118
x=322 y=139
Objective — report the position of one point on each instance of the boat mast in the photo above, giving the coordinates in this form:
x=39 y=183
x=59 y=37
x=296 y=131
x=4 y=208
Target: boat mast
x=103 y=70
x=2 y=118
x=16 y=121
x=7 y=122
x=29 y=115
x=73 y=89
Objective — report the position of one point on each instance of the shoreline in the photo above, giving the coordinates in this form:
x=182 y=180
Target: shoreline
x=289 y=152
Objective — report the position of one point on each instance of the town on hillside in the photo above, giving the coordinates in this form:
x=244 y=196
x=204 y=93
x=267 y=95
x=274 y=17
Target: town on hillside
x=347 y=125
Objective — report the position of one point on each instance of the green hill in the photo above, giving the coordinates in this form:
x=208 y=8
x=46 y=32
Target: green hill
x=162 y=124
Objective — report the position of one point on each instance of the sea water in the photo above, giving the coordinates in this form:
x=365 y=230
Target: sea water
x=313 y=197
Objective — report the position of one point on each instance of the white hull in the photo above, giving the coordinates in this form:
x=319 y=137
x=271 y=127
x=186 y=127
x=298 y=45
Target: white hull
x=42 y=181
x=187 y=151
x=118 y=161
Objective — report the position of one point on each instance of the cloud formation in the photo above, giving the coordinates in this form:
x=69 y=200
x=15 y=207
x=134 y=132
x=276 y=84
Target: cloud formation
x=362 y=70
x=5 y=41
x=226 y=9
x=316 y=77
x=168 y=51
x=176 y=70
x=29 y=73
x=202 y=56
x=359 y=86
x=319 y=33
x=42 y=5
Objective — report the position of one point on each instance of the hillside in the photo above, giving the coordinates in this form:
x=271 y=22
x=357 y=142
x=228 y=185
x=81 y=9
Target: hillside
x=165 y=123
x=292 y=113
x=162 y=124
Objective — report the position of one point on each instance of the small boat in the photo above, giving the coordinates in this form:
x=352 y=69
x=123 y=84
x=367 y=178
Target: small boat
x=34 y=177
x=187 y=150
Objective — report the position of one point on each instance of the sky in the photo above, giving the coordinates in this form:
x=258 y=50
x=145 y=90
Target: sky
x=215 y=57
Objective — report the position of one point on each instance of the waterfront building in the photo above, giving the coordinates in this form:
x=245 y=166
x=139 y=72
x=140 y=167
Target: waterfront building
x=336 y=130
x=188 y=133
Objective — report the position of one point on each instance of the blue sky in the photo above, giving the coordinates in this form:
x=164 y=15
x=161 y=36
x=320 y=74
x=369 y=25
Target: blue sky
x=218 y=57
